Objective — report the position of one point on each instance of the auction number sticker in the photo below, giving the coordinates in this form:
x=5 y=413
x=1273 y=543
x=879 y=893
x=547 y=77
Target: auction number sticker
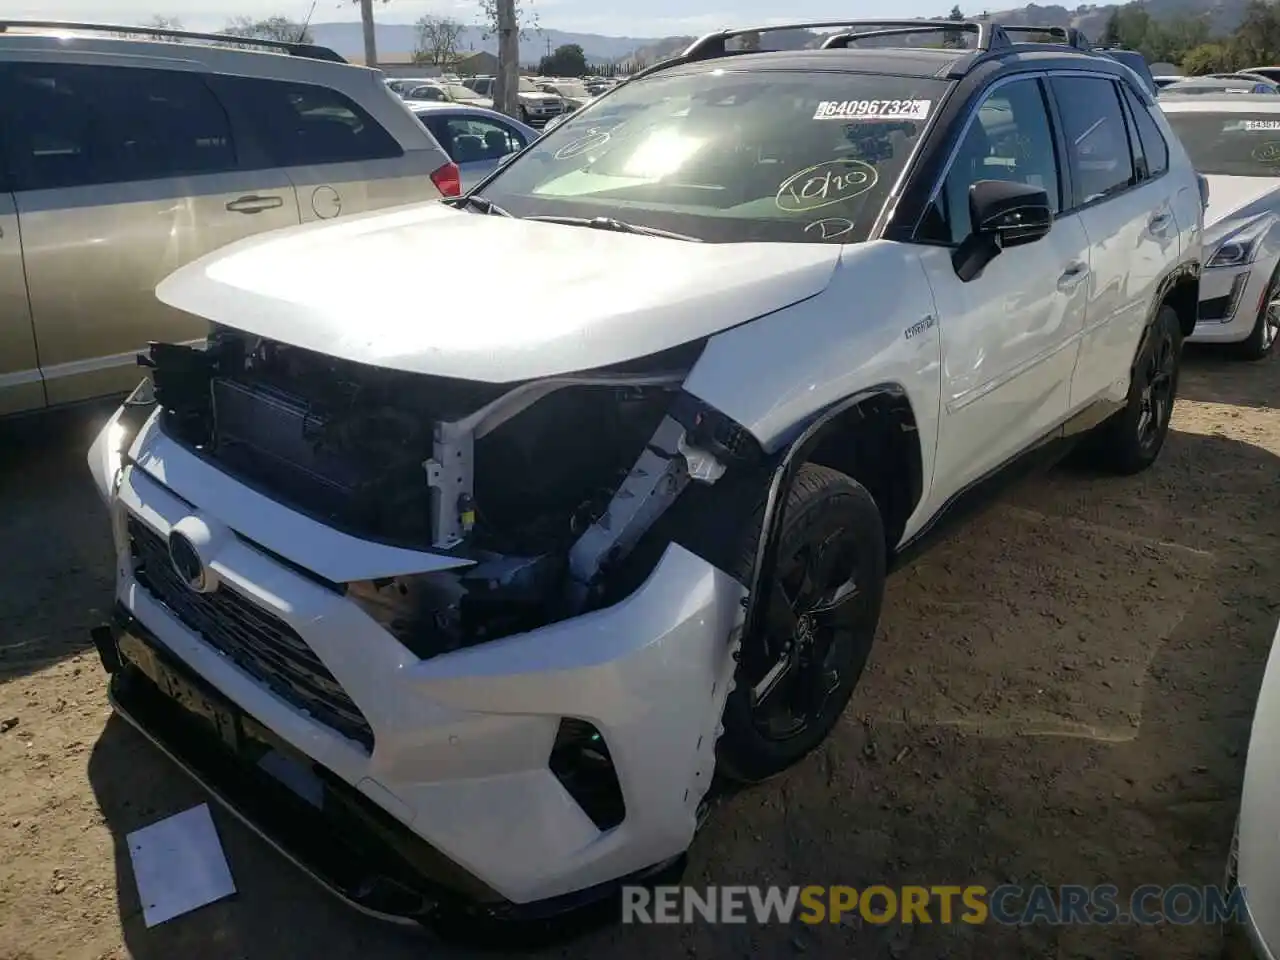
x=1262 y=124
x=872 y=110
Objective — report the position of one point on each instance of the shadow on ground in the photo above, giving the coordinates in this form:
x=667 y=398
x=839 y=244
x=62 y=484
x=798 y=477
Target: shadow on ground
x=1061 y=694
x=56 y=564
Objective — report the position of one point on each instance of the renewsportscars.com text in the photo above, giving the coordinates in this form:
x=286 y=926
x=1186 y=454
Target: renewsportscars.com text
x=1009 y=904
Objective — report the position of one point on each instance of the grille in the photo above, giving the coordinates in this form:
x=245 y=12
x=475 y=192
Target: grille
x=262 y=645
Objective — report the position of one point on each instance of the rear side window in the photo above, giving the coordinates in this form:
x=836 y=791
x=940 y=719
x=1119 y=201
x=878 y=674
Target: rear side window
x=469 y=140
x=304 y=124
x=70 y=125
x=1154 y=149
x=1096 y=135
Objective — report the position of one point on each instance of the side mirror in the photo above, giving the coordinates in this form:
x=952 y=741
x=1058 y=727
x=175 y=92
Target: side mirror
x=1004 y=214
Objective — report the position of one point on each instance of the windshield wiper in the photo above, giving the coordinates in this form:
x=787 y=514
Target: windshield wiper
x=617 y=226
x=479 y=202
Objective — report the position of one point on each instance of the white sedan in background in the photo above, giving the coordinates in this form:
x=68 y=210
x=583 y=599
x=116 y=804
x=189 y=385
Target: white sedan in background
x=1234 y=141
x=477 y=140
x=1254 y=865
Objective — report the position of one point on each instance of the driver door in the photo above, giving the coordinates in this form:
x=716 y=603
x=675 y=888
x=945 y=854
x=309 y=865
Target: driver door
x=1010 y=335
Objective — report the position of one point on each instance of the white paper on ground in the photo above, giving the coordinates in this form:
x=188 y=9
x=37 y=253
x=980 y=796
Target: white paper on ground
x=178 y=865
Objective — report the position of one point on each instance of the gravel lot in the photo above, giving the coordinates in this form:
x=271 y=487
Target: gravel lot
x=1062 y=693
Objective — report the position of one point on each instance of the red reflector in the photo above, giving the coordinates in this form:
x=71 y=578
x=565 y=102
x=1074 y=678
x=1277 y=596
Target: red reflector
x=448 y=180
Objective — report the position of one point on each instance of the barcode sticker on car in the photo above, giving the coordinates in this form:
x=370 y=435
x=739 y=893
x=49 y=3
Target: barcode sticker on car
x=1262 y=124
x=872 y=110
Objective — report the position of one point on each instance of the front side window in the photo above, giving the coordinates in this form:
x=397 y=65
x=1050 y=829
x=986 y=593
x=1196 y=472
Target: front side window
x=725 y=156
x=1008 y=139
x=1096 y=135
x=1227 y=143
x=304 y=124
x=70 y=125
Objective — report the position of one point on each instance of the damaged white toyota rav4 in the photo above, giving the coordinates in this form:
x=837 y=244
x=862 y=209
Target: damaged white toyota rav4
x=479 y=537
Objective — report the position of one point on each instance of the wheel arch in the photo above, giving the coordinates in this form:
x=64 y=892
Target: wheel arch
x=1180 y=289
x=878 y=418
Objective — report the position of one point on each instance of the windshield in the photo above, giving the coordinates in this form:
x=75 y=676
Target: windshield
x=527 y=86
x=726 y=156
x=1230 y=144
x=457 y=91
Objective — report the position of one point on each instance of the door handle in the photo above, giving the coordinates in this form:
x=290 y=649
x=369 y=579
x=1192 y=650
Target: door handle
x=1072 y=276
x=255 y=204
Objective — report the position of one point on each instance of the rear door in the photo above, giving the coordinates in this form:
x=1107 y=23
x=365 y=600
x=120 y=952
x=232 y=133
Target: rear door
x=121 y=174
x=1127 y=213
x=20 y=385
x=340 y=159
x=476 y=144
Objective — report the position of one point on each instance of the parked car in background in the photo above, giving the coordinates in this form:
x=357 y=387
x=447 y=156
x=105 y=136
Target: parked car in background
x=1234 y=141
x=598 y=85
x=1163 y=80
x=438 y=92
x=466 y=602
x=536 y=106
x=477 y=139
x=126 y=158
x=1216 y=86
x=398 y=85
x=1253 y=863
x=572 y=92
x=1269 y=73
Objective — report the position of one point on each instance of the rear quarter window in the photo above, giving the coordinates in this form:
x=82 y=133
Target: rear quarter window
x=304 y=124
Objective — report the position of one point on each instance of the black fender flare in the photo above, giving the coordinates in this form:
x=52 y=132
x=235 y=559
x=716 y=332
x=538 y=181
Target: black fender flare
x=784 y=473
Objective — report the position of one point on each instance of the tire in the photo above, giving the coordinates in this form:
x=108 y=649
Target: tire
x=1266 y=329
x=831 y=533
x=1130 y=441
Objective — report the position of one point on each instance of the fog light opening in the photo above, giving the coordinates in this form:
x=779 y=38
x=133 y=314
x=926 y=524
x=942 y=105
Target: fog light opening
x=580 y=761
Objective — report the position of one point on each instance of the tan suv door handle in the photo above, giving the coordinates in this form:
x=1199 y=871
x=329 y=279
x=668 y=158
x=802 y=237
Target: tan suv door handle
x=255 y=204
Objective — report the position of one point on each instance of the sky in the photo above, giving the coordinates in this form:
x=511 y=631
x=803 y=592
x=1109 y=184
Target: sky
x=651 y=18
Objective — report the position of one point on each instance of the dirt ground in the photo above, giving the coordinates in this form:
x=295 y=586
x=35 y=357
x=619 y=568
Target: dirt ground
x=1062 y=693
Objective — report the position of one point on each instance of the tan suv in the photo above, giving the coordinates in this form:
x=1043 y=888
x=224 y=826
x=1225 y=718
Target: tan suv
x=123 y=159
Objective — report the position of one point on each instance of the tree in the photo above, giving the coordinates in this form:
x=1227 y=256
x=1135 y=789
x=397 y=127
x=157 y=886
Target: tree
x=568 y=60
x=156 y=22
x=507 y=19
x=954 y=38
x=437 y=40
x=1208 y=58
x=272 y=28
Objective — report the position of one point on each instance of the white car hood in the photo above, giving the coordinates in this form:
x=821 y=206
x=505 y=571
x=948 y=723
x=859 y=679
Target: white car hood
x=434 y=290
x=1239 y=198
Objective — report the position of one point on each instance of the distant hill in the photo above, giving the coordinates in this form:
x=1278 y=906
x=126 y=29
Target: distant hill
x=399 y=39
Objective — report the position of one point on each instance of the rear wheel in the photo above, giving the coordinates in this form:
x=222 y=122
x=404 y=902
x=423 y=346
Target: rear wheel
x=1130 y=441
x=1266 y=329
x=823 y=605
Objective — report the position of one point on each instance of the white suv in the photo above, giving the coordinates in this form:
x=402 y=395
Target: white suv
x=488 y=593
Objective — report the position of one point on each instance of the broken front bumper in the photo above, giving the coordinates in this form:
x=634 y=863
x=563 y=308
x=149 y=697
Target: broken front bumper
x=456 y=755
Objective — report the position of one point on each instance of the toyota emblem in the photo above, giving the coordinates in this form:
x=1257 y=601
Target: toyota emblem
x=187 y=563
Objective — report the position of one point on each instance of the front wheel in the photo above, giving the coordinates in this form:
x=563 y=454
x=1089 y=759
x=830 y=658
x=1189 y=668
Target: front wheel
x=1130 y=441
x=822 y=608
x=1266 y=329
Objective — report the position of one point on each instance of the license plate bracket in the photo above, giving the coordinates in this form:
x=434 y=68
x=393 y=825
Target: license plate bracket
x=204 y=709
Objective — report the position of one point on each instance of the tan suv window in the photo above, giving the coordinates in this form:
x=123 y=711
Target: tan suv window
x=301 y=124
x=71 y=125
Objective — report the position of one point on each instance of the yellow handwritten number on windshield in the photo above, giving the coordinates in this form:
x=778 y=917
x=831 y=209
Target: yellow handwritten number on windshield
x=824 y=184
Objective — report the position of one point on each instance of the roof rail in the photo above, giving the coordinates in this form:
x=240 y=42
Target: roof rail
x=988 y=35
x=1068 y=35
x=716 y=44
x=309 y=50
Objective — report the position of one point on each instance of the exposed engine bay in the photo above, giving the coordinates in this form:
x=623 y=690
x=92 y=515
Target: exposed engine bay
x=538 y=488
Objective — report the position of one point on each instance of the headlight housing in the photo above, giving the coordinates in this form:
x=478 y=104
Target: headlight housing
x=1240 y=247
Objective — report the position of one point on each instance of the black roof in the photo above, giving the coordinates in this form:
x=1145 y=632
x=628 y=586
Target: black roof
x=989 y=43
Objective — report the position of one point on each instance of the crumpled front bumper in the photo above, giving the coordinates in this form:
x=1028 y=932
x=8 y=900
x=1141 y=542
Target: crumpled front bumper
x=461 y=743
